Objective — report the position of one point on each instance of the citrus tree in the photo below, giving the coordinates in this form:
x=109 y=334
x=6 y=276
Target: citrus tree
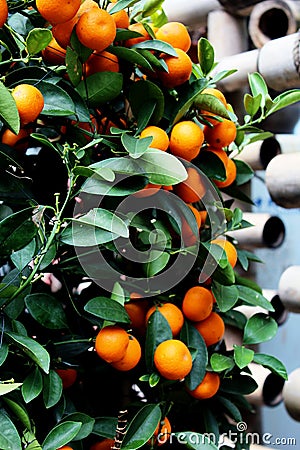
x=118 y=278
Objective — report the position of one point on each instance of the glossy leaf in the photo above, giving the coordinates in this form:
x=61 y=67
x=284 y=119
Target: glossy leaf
x=212 y=104
x=206 y=55
x=57 y=101
x=187 y=98
x=145 y=91
x=8 y=110
x=220 y=362
x=252 y=297
x=16 y=231
x=156 y=45
x=244 y=172
x=107 y=309
x=158 y=330
x=5 y=388
x=130 y=55
x=238 y=384
x=31 y=348
x=142 y=427
x=252 y=104
x=22 y=257
x=47 y=310
x=32 y=385
x=226 y=296
x=105 y=427
x=283 y=100
x=162 y=168
x=258 y=86
x=37 y=40
x=259 y=328
x=74 y=66
x=271 y=363
x=19 y=411
x=52 y=389
x=9 y=436
x=230 y=408
x=3 y=352
x=87 y=424
x=242 y=356
x=194 y=341
x=100 y=87
x=61 y=434
x=134 y=146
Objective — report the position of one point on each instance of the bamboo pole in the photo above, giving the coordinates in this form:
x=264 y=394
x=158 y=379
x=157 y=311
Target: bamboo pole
x=277 y=61
x=289 y=288
x=269 y=389
x=289 y=143
x=267 y=231
x=259 y=154
x=291 y=394
x=283 y=180
x=269 y=20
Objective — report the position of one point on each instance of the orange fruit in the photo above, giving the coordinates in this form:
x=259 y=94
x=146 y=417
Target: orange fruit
x=188 y=236
x=111 y=343
x=29 y=101
x=228 y=248
x=220 y=96
x=176 y=34
x=121 y=19
x=162 y=432
x=54 y=54
x=230 y=175
x=220 y=135
x=101 y=62
x=132 y=356
x=186 y=139
x=179 y=69
x=137 y=314
x=135 y=296
x=203 y=215
x=149 y=189
x=192 y=189
x=208 y=387
x=57 y=11
x=68 y=376
x=171 y=313
x=13 y=140
x=62 y=31
x=220 y=153
x=65 y=447
x=197 y=303
x=196 y=214
x=138 y=27
x=106 y=444
x=160 y=137
x=173 y=359
x=3 y=12
x=211 y=329
x=88 y=27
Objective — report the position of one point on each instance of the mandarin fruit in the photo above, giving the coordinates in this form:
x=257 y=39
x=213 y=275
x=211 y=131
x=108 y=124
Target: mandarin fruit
x=88 y=26
x=68 y=376
x=176 y=34
x=192 y=189
x=186 y=139
x=111 y=343
x=230 y=175
x=160 y=137
x=228 y=248
x=208 y=387
x=179 y=69
x=131 y=357
x=3 y=12
x=106 y=444
x=220 y=135
x=29 y=101
x=101 y=62
x=54 y=54
x=173 y=359
x=171 y=313
x=57 y=11
x=197 y=303
x=162 y=432
x=211 y=329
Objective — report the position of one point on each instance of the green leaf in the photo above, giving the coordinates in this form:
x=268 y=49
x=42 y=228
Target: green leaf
x=135 y=147
x=52 y=390
x=154 y=379
x=5 y=388
x=8 y=110
x=252 y=104
x=142 y=427
x=96 y=227
x=192 y=338
x=74 y=66
x=220 y=362
x=105 y=427
x=19 y=411
x=230 y=408
x=162 y=168
x=258 y=86
x=206 y=55
x=9 y=436
x=121 y=4
x=238 y=384
x=32 y=349
x=244 y=172
x=131 y=55
x=156 y=45
x=151 y=6
x=186 y=99
x=22 y=257
x=16 y=231
x=47 y=310
x=87 y=424
x=37 y=39
x=195 y=441
x=32 y=385
x=271 y=363
x=101 y=87
x=3 y=352
x=107 y=309
x=61 y=434
x=118 y=294
x=226 y=296
x=157 y=262
x=158 y=330
x=252 y=297
x=142 y=92
x=57 y=100
x=259 y=328
x=283 y=100
x=242 y=356
x=208 y=102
